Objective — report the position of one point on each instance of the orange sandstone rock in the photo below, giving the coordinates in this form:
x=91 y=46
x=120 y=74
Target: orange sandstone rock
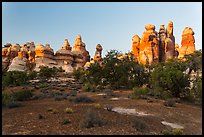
x=135 y=45
x=81 y=55
x=149 y=52
x=187 y=43
x=98 y=57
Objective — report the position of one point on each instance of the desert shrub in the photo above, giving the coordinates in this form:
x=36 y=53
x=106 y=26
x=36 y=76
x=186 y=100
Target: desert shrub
x=60 y=98
x=16 y=78
x=66 y=121
x=115 y=72
x=166 y=132
x=40 y=116
x=22 y=95
x=177 y=131
x=91 y=119
x=166 y=95
x=170 y=103
x=139 y=92
x=78 y=73
x=50 y=109
x=138 y=124
x=97 y=106
x=122 y=73
x=170 y=76
x=68 y=110
x=83 y=99
x=32 y=75
x=193 y=61
x=8 y=101
x=43 y=86
x=5 y=99
x=46 y=72
x=13 y=104
x=109 y=92
x=88 y=87
x=196 y=91
x=73 y=93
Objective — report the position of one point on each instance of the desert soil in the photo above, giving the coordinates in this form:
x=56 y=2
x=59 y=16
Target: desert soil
x=25 y=119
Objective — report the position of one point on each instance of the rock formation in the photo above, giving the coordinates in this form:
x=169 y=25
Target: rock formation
x=64 y=57
x=171 y=37
x=44 y=56
x=169 y=49
x=162 y=37
x=135 y=45
x=9 y=52
x=19 y=63
x=98 y=57
x=187 y=43
x=80 y=54
x=149 y=50
x=176 y=50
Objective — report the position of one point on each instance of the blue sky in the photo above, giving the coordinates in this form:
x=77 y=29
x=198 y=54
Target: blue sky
x=111 y=24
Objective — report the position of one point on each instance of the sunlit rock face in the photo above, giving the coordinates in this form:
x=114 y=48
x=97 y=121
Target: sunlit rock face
x=98 y=57
x=135 y=46
x=149 y=49
x=80 y=54
x=44 y=56
x=9 y=52
x=187 y=43
x=64 y=57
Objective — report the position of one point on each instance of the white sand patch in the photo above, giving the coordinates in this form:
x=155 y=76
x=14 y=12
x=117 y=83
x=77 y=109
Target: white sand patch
x=173 y=125
x=129 y=111
x=101 y=94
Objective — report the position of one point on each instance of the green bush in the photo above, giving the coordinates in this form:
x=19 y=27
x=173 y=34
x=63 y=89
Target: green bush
x=88 y=87
x=22 y=95
x=9 y=101
x=138 y=92
x=196 y=91
x=73 y=93
x=68 y=110
x=78 y=73
x=166 y=95
x=16 y=78
x=66 y=121
x=46 y=72
x=170 y=76
x=97 y=106
x=32 y=74
x=177 y=131
x=43 y=86
x=166 y=132
x=115 y=73
x=5 y=99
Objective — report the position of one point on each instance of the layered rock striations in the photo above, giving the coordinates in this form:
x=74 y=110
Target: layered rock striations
x=44 y=56
x=64 y=57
